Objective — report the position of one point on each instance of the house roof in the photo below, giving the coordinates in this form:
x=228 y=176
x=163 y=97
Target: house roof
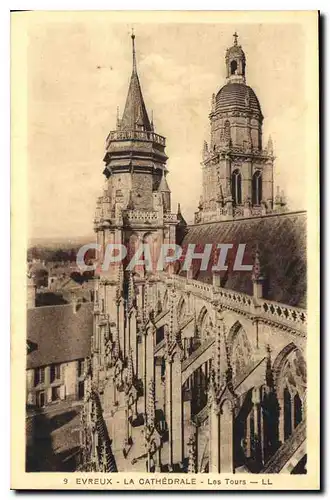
x=281 y=241
x=58 y=334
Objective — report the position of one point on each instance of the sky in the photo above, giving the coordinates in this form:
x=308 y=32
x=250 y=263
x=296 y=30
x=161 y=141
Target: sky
x=78 y=73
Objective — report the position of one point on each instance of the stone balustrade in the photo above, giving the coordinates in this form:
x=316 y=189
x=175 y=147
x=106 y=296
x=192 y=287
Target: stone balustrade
x=235 y=300
x=139 y=135
x=140 y=216
x=291 y=316
x=168 y=217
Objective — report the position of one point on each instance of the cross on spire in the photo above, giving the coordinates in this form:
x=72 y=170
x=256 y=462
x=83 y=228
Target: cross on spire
x=133 y=51
x=235 y=35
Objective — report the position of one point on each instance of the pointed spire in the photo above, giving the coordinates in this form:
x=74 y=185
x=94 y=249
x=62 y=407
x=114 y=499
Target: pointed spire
x=222 y=366
x=269 y=371
x=133 y=51
x=116 y=347
x=270 y=147
x=120 y=281
x=235 y=35
x=130 y=370
x=130 y=204
x=192 y=458
x=118 y=119
x=256 y=270
x=180 y=217
x=135 y=116
x=131 y=290
x=278 y=196
x=163 y=186
x=152 y=121
x=151 y=405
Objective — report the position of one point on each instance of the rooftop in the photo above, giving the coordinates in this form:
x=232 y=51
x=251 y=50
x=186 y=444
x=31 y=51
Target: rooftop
x=281 y=241
x=59 y=334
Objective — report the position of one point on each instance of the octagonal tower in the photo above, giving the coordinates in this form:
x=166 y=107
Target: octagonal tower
x=237 y=170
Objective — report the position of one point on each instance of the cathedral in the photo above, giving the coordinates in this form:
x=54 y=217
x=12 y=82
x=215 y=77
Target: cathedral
x=196 y=370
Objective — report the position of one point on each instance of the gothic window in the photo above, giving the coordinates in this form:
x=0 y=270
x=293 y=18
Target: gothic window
x=241 y=353
x=204 y=326
x=257 y=188
x=297 y=410
x=236 y=187
x=291 y=389
x=233 y=68
x=181 y=311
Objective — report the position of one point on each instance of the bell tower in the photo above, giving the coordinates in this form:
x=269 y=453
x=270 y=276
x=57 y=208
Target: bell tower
x=133 y=210
x=237 y=169
x=235 y=63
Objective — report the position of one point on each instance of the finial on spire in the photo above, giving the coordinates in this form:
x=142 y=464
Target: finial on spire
x=133 y=50
x=118 y=119
x=270 y=147
x=256 y=271
x=235 y=35
x=152 y=120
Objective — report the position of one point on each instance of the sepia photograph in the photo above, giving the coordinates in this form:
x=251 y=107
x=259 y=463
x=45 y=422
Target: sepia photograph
x=166 y=324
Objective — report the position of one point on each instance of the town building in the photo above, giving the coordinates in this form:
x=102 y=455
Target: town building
x=58 y=342
x=198 y=371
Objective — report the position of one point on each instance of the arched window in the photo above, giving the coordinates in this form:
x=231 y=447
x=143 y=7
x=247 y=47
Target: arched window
x=236 y=187
x=233 y=67
x=297 y=408
x=256 y=188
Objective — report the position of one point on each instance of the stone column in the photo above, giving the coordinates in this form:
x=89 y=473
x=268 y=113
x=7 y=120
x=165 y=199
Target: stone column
x=139 y=357
x=158 y=381
x=258 y=423
x=248 y=435
x=214 y=444
x=226 y=437
x=247 y=181
x=133 y=340
x=150 y=353
x=174 y=409
x=121 y=325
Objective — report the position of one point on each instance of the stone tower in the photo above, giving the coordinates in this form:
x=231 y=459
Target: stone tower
x=134 y=210
x=237 y=171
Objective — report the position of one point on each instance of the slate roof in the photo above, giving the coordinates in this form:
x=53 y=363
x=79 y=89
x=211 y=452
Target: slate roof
x=234 y=95
x=58 y=334
x=281 y=240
